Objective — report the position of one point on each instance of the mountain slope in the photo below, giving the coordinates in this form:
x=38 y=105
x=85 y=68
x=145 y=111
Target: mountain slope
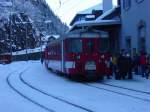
x=23 y=22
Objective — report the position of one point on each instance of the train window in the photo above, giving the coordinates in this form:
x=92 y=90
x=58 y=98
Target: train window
x=74 y=46
x=90 y=46
x=103 y=45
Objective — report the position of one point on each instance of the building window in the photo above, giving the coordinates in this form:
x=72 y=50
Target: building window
x=139 y=1
x=142 y=45
x=142 y=36
x=126 y=4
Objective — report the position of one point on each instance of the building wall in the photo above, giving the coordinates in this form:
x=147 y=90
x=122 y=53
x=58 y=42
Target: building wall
x=132 y=20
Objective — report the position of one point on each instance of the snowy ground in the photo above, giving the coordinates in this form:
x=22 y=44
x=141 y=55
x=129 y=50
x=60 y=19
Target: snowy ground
x=28 y=86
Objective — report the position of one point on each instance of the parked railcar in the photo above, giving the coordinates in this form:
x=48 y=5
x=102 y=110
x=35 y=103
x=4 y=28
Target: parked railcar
x=5 y=58
x=81 y=54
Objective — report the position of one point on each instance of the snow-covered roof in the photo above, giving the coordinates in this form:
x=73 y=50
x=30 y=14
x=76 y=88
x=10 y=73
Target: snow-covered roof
x=98 y=22
x=35 y=50
x=89 y=10
x=6 y=4
x=106 y=14
x=55 y=36
x=5 y=53
x=95 y=23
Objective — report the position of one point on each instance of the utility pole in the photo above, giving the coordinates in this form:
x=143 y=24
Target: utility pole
x=12 y=9
x=45 y=22
x=25 y=23
x=26 y=41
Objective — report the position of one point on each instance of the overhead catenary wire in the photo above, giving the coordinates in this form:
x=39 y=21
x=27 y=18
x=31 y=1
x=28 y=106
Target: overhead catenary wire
x=70 y=7
x=69 y=4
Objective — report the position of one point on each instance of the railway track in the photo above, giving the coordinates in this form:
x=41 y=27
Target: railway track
x=44 y=93
x=20 y=77
x=53 y=96
x=119 y=93
x=24 y=96
x=138 y=91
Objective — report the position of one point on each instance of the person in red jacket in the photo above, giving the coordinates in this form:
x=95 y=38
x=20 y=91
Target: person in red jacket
x=143 y=63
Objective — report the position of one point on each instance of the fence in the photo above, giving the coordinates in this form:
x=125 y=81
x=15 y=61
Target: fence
x=25 y=57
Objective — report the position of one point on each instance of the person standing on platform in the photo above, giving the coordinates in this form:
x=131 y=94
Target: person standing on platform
x=143 y=63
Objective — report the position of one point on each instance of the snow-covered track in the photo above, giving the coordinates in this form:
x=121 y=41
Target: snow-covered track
x=119 y=92
x=24 y=96
x=138 y=91
x=55 y=97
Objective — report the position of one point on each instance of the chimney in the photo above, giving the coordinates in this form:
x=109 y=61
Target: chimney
x=118 y=2
x=107 y=5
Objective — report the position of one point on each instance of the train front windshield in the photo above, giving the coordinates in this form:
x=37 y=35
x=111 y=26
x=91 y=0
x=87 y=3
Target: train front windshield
x=90 y=46
x=74 y=46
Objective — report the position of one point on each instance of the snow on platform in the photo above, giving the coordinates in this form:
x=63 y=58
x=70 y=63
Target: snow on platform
x=96 y=100
x=137 y=83
x=62 y=88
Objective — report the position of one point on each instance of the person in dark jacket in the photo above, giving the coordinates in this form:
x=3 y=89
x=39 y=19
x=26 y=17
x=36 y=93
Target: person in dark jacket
x=114 y=64
x=129 y=66
x=147 y=72
x=42 y=57
x=121 y=67
x=135 y=60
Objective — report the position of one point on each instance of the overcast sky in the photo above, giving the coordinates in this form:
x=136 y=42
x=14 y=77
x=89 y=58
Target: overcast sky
x=66 y=9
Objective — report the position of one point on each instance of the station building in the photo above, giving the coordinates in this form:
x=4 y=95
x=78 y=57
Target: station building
x=135 y=20
x=108 y=24
x=128 y=25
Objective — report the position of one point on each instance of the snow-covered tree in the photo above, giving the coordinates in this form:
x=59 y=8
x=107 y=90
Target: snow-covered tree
x=21 y=20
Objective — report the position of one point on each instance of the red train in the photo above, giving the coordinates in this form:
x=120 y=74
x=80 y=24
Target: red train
x=80 y=54
x=5 y=58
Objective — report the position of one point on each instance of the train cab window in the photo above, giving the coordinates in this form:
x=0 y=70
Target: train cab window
x=103 y=45
x=90 y=46
x=74 y=46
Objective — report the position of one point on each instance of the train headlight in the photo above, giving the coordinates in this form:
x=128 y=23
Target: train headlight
x=70 y=64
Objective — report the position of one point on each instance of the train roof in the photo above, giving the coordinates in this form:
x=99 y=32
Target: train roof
x=54 y=42
x=83 y=33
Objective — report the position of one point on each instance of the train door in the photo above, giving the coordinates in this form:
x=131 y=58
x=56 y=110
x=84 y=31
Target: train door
x=62 y=56
x=89 y=56
x=89 y=46
x=72 y=54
